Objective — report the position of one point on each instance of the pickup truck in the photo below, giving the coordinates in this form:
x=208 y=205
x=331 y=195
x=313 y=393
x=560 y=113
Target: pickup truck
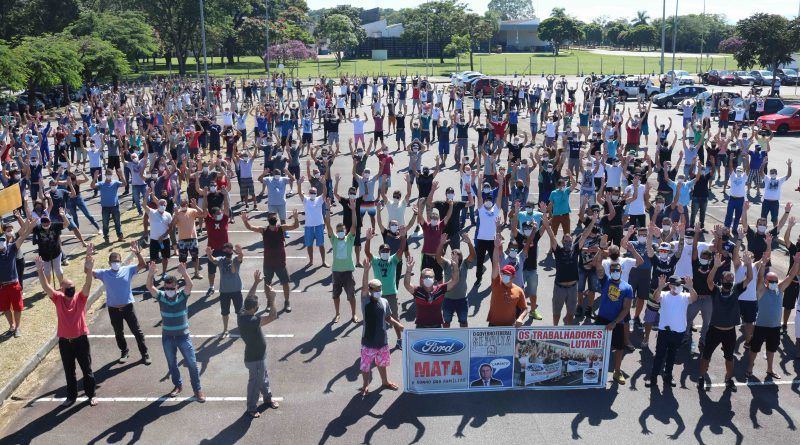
x=629 y=88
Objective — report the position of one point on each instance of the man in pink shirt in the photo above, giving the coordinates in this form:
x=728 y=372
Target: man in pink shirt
x=73 y=341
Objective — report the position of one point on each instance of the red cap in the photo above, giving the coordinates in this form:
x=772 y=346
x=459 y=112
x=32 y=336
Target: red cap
x=508 y=270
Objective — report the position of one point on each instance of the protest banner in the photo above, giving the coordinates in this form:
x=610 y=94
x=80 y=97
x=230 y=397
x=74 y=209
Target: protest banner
x=492 y=359
x=10 y=199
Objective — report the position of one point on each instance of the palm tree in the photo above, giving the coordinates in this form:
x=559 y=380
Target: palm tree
x=641 y=18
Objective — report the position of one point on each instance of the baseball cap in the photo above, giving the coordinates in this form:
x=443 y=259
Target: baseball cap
x=508 y=270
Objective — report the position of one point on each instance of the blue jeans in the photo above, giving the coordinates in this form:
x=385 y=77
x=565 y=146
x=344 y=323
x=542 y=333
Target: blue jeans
x=108 y=213
x=139 y=192
x=73 y=204
x=173 y=343
x=734 y=212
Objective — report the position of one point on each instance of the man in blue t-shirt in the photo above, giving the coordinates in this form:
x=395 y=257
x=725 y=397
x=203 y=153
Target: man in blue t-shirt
x=616 y=297
x=109 y=199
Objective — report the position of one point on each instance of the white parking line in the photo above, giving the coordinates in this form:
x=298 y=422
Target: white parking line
x=255 y=257
x=148 y=399
x=758 y=383
x=191 y=335
x=258 y=291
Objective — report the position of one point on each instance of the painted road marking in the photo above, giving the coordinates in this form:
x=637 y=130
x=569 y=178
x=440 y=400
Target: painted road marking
x=148 y=399
x=758 y=383
x=192 y=335
x=259 y=291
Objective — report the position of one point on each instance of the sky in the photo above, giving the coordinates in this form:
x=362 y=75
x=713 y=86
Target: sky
x=587 y=10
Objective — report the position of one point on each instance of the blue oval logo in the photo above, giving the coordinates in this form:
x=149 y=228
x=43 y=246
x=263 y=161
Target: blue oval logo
x=438 y=346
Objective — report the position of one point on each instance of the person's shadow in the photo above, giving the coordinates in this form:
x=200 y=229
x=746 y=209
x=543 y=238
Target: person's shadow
x=716 y=416
x=596 y=413
x=136 y=423
x=764 y=398
x=355 y=410
x=231 y=433
x=318 y=342
x=45 y=423
x=663 y=408
x=351 y=373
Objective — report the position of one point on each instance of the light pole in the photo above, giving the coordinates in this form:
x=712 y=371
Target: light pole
x=702 y=32
x=427 y=25
x=266 y=16
x=205 y=64
x=663 y=31
x=674 y=35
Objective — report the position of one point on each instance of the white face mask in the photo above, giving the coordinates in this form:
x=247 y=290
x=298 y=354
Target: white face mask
x=212 y=189
x=616 y=276
x=527 y=232
x=171 y=293
x=340 y=234
x=376 y=294
x=427 y=282
x=115 y=265
x=385 y=256
x=162 y=208
x=352 y=196
x=451 y=196
x=513 y=253
x=762 y=229
x=704 y=261
x=218 y=217
x=773 y=286
x=506 y=278
x=393 y=228
x=641 y=239
x=487 y=205
x=663 y=256
x=677 y=290
x=435 y=222
x=312 y=196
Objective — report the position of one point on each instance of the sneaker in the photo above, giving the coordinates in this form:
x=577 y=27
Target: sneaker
x=619 y=378
x=123 y=357
x=579 y=312
x=650 y=381
x=668 y=380
x=637 y=323
x=536 y=314
x=146 y=359
x=399 y=344
x=68 y=402
x=210 y=290
x=587 y=312
x=701 y=383
x=200 y=396
x=730 y=385
x=17 y=333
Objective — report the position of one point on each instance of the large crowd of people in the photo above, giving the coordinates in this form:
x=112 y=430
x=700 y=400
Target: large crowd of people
x=635 y=254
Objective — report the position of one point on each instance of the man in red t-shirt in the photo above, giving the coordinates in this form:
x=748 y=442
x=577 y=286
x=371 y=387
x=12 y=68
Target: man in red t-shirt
x=73 y=341
x=428 y=296
x=217 y=226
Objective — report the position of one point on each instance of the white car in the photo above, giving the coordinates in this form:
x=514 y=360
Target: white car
x=466 y=77
x=680 y=77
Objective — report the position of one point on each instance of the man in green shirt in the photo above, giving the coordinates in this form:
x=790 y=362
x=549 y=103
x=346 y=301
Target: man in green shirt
x=342 y=243
x=385 y=269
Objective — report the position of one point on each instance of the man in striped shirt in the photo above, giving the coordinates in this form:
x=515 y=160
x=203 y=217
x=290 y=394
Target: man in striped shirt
x=175 y=328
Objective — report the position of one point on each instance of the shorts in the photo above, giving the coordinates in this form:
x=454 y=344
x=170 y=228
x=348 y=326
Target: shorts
x=380 y=356
x=425 y=137
x=790 y=296
x=212 y=268
x=246 y=187
x=400 y=135
x=748 y=310
x=271 y=272
x=11 y=297
x=716 y=337
x=280 y=210
x=307 y=138
x=343 y=281
x=617 y=334
x=312 y=235
x=587 y=280
x=367 y=208
x=444 y=148
x=358 y=138
x=113 y=162
x=459 y=307
x=531 y=278
x=640 y=282
x=763 y=334
x=53 y=265
x=651 y=317
x=186 y=247
x=333 y=137
x=548 y=140
x=392 y=299
x=378 y=134
x=565 y=296
x=461 y=145
x=160 y=250
x=225 y=299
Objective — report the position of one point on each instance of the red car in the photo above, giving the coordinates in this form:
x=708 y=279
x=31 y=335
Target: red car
x=719 y=77
x=487 y=84
x=784 y=121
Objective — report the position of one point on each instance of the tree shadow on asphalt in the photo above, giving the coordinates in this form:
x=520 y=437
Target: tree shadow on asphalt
x=716 y=416
x=320 y=340
x=136 y=423
x=44 y=424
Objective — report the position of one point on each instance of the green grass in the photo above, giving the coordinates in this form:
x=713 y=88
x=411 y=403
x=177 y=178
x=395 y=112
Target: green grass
x=568 y=62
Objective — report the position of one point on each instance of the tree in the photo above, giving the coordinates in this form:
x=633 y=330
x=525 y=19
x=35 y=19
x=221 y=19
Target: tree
x=354 y=14
x=641 y=18
x=593 y=33
x=340 y=32
x=126 y=30
x=177 y=23
x=99 y=59
x=293 y=50
x=640 y=35
x=731 y=45
x=558 y=30
x=51 y=61
x=614 y=31
x=459 y=44
x=438 y=21
x=478 y=29
x=694 y=28
x=512 y=9
x=769 y=40
x=558 y=12
x=22 y=18
x=13 y=72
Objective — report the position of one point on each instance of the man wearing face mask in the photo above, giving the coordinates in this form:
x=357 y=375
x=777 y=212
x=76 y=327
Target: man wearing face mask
x=274 y=242
x=175 y=336
x=724 y=319
x=385 y=268
x=11 y=301
x=768 y=319
x=616 y=296
x=486 y=232
x=47 y=237
x=701 y=268
x=428 y=296
x=342 y=242
x=433 y=231
x=672 y=325
x=160 y=222
x=452 y=228
x=772 y=192
x=118 y=281
x=664 y=262
x=737 y=182
x=565 y=290
x=508 y=306
x=109 y=200
x=314 y=224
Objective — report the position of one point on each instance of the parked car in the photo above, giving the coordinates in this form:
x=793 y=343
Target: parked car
x=674 y=95
x=458 y=79
x=785 y=120
x=762 y=77
x=788 y=76
x=718 y=77
x=629 y=87
x=487 y=84
x=468 y=78
x=679 y=77
x=743 y=78
x=734 y=99
x=771 y=106
x=605 y=81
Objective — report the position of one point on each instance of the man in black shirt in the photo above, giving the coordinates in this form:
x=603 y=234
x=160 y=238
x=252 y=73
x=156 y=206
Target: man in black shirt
x=565 y=291
x=529 y=237
x=47 y=236
x=453 y=227
x=700 y=195
x=255 y=347
x=757 y=239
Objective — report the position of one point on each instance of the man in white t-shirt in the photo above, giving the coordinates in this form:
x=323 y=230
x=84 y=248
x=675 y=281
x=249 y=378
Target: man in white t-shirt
x=635 y=195
x=672 y=325
x=314 y=224
x=772 y=192
x=738 y=183
x=748 y=300
x=160 y=222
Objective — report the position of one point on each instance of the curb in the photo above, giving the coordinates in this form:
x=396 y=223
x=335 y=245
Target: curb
x=7 y=390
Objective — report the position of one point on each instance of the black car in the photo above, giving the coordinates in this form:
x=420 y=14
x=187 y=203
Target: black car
x=787 y=76
x=743 y=78
x=675 y=95
x=771 y=106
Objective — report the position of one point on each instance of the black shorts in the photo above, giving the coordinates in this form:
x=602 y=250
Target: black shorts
x=271 y=272
x=790 y=296
x=716 y=337
x=617 y=334
x=113 y=162
x=379 y=135
x=160 y=249
x=426 y=137
x=761 y=335
x=748 y=310
x=307 y=138
x=225 y=299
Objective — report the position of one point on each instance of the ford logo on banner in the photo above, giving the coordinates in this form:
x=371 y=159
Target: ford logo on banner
x=438 y=346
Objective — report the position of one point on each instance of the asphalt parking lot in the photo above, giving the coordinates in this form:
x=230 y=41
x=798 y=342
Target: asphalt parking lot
x=313 y=366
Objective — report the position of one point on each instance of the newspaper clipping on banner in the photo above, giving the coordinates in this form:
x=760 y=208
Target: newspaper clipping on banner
x=492 y=359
